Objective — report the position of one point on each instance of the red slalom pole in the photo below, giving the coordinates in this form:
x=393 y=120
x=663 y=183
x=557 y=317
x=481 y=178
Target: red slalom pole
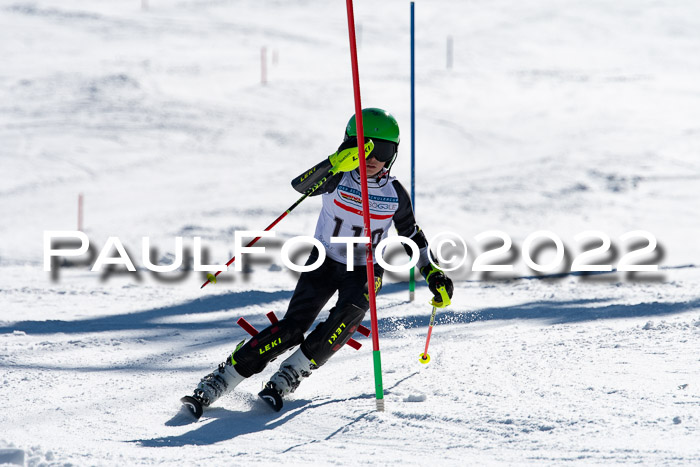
x=379 y=387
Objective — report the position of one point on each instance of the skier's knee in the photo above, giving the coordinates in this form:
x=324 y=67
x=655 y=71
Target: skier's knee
x=266 y=346
x=361 y=300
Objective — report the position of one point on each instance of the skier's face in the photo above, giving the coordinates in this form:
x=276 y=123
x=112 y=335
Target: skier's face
x=374 y=166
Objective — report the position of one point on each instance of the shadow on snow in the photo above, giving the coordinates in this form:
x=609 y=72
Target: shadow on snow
x=149 y=319
x=552 y=311
x=226 y=424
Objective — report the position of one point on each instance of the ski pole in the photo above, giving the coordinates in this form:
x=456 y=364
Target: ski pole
x=424 y=357
x=332 y=171
x=212 y=277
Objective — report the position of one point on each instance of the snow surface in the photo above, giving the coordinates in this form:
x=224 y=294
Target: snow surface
x=564 y=116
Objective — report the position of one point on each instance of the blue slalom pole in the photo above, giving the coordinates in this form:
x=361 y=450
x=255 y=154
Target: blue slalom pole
x=412 y=277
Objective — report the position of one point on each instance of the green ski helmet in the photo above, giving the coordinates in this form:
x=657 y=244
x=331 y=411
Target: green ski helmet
x=382 y=128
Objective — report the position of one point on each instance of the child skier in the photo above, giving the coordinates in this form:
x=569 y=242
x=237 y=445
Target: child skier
x=341 y=216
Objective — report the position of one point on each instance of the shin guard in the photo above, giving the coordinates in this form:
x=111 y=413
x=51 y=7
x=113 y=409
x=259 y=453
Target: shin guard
x=265 y=346
x=330 y=335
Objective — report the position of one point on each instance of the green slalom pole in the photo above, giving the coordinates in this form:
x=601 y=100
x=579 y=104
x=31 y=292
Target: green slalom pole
x=378 y=384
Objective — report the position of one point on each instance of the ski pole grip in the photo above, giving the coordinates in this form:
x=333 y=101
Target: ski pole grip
x=445 y=298
x=348 y=159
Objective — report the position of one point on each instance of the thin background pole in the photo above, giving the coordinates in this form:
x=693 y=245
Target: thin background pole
x=450 y=52
x=263 y=65
x=80 y=212
x=412 y=277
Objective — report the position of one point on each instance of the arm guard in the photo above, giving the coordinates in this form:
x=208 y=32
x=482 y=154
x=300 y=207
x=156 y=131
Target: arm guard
x=315 y=175
x=406 y=226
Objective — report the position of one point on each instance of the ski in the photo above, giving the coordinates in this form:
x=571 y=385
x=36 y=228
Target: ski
x=194 y=406
x=271 y=397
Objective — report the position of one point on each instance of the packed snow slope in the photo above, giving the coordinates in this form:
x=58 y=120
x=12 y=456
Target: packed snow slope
x=567 y=117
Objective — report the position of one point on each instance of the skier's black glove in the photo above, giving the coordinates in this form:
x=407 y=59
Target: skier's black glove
x=439 y=284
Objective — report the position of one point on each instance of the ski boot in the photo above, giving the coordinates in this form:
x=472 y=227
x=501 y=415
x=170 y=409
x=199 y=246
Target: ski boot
x=214 y=385
x=287 y=379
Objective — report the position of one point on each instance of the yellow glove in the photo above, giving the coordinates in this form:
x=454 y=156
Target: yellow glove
x=347 y=156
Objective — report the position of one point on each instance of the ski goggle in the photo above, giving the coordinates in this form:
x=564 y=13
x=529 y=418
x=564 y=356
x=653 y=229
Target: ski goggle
x=384 y=151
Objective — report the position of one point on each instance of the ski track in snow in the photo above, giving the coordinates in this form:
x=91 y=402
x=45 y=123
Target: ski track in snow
x=565 y=119
x=558 y=377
